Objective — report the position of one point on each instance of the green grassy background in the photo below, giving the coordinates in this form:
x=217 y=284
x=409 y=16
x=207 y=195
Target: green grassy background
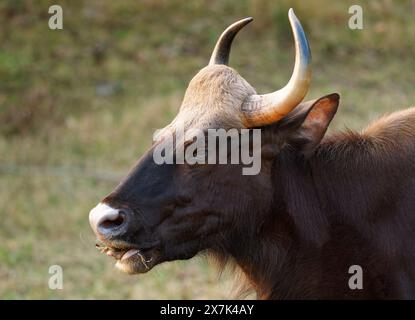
x=79 y=105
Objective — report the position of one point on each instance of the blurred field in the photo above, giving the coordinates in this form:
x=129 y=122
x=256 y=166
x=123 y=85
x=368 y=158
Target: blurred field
x=78 y=107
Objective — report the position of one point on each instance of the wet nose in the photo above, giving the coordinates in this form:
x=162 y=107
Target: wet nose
x=107 y=221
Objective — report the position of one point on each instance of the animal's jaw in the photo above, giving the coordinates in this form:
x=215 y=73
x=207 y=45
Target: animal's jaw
x=131 y=259
x=136 y=261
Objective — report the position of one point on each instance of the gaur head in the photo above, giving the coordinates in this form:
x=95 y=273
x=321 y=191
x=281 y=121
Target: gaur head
x=168 y=211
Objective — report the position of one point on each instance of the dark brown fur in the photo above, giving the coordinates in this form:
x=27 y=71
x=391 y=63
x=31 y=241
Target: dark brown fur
x=350 y=203
x=294 y=230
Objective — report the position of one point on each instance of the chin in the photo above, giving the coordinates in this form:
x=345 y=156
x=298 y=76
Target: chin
x=140 y=262
x=131 y=259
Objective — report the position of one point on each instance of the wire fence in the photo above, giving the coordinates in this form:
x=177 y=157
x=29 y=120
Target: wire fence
x=60 y=171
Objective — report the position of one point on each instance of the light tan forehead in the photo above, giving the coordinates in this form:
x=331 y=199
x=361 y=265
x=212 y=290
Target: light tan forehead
x=213 y=99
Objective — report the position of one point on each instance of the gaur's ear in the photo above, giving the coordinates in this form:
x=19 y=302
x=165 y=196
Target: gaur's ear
x=306 y=125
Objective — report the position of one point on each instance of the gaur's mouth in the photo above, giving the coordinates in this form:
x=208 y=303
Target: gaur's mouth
x=131 y=259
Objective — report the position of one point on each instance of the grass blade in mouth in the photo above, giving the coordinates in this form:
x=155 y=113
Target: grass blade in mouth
x=144 y=261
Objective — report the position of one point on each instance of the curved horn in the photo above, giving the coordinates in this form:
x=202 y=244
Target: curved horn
x=260 y=110
x=220 y=54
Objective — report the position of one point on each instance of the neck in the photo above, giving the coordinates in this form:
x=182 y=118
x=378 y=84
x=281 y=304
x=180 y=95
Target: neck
x=321 y=205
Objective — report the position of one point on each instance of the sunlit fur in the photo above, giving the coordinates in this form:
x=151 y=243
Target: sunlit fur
x=212 y=100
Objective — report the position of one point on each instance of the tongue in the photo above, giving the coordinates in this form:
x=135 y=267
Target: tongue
x=115 y=254
x=129 y=254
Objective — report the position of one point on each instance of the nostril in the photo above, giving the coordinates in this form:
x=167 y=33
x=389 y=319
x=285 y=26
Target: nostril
x=113 y=223
x=106 y=221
